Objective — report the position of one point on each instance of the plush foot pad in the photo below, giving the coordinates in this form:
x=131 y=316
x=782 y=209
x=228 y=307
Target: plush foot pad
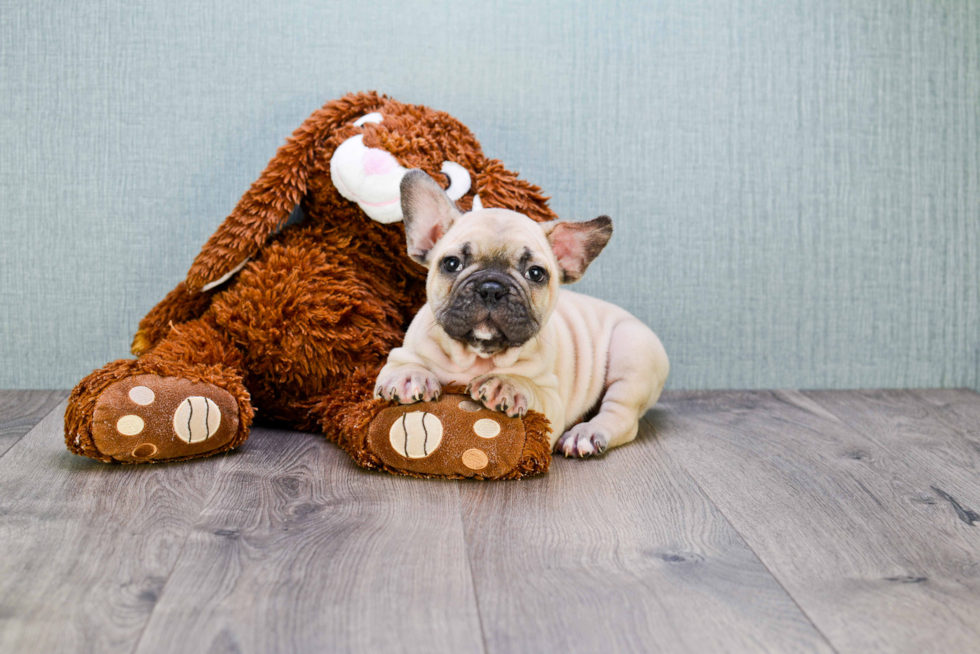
x=151 y=418
x=452 y=437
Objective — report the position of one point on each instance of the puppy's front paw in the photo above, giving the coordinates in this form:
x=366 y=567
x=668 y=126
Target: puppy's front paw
x=499 y=393
x=582 y=441
x=408 y=385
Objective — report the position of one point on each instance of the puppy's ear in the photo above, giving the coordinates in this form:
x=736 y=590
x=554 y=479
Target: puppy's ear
x=577 y=244
x=427 y=211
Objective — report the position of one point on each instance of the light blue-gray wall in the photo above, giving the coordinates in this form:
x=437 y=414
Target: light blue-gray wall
x=795 y=184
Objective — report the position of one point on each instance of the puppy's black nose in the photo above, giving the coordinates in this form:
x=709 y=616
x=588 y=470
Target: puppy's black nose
x=491 y=291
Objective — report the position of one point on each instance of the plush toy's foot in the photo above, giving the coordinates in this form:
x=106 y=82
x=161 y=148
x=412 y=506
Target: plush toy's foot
x=152 y=418
x=455 y=437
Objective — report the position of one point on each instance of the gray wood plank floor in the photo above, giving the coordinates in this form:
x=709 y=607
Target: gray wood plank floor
x=836 y=493
x=737 y=522
x=21 y=410
x=621 y=554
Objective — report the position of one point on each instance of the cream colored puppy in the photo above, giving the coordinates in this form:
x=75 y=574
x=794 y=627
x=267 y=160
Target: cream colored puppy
x=497 y=321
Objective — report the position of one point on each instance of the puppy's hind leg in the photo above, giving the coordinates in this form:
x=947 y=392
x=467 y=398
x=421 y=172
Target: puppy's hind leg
x=635 y=377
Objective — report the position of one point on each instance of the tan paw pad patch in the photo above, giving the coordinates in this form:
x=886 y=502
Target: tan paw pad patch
x=145 y=451
x=142 y=395
x=486 y=428
x=130 y=425
x=196 y=419
x=416 y=435
x=475 y=459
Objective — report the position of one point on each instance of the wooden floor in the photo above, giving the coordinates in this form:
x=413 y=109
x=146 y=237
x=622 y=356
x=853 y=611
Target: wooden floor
x=737 y=522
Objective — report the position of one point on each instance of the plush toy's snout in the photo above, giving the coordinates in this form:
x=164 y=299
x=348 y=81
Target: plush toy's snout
x=371 y=177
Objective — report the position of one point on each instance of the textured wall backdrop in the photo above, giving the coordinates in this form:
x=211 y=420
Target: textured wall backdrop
x=795 y=184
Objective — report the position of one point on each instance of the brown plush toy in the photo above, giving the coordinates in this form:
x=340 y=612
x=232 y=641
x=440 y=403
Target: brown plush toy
x=296 y=320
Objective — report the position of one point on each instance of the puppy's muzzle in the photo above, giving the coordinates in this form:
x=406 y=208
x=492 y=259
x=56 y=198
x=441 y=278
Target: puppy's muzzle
x=490 y=304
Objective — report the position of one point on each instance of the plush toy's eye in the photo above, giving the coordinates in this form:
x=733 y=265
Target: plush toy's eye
x=536 y=274
x=373 y=117
x=459 y=179
x=452 y=264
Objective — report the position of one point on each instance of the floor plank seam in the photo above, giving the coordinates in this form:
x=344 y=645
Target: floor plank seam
x=722 y=513
x=21 y=437
x=469 y=566
x=34 y=426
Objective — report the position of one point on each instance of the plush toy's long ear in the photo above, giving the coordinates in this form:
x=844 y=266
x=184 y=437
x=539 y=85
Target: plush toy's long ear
x=273 y=196
x=577 y=244
x=500 y=188
x=427 y=211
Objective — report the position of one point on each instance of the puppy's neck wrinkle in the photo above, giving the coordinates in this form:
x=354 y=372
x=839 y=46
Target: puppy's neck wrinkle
x=465 y=356
x=499 y=358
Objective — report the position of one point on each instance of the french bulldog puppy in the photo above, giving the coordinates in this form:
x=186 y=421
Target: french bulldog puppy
x=497 y=321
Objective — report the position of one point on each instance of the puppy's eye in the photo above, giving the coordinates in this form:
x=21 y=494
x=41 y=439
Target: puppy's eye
x=536 y=274
x=452 y=264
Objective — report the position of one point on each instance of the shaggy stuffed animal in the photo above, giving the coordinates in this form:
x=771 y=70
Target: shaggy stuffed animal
x=295 y=320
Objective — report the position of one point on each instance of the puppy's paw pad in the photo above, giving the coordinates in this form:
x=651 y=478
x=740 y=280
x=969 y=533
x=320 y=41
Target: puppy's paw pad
x=409 y=386
x=582 y=441
x=498 y=393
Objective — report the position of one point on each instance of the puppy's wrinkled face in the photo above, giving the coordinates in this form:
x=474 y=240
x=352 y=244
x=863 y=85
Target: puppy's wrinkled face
x=493 y=279
x=493 y=274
